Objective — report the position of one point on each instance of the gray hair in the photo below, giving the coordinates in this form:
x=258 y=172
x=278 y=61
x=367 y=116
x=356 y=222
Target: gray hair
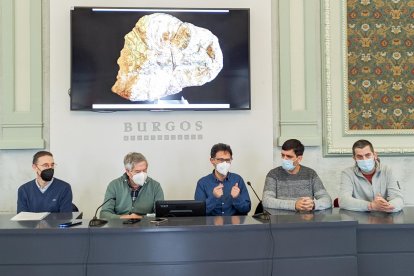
x=133 y=158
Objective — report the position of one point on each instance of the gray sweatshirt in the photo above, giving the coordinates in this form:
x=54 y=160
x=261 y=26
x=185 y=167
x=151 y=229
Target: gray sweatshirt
x=282 y=189
x=356 y=192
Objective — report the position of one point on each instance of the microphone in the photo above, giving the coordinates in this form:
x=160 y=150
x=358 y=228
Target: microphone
x=260 y=212
x=99 y=222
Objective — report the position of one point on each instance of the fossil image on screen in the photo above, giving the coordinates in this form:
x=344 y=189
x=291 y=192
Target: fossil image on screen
x=162 y=55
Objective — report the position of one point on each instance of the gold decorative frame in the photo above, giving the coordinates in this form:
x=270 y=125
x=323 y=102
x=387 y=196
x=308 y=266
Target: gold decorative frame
x=337 y=137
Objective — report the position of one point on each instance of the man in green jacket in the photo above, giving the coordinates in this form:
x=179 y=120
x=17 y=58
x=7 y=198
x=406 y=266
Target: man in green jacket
x=134 y=192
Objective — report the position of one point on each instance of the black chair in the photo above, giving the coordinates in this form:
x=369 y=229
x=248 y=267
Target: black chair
x=75 y=209
x=336 y=203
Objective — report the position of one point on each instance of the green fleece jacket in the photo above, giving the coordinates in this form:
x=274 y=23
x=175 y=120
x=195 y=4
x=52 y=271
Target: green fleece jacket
x=119 y=189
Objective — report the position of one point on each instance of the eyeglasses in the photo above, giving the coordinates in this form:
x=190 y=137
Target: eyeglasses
x=47 y=165
x=221 y=160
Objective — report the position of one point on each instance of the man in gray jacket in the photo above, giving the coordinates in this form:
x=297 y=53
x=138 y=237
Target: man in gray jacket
x=293 y=186
x=369 y=185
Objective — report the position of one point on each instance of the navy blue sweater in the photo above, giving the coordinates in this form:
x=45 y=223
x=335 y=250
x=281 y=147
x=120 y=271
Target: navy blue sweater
x=56 y=199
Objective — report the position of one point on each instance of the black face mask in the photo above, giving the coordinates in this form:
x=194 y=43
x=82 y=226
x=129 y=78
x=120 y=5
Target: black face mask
x=47 y=174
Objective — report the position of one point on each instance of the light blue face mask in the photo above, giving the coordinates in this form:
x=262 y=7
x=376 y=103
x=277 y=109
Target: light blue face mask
x=366 y=165
x=288 y=165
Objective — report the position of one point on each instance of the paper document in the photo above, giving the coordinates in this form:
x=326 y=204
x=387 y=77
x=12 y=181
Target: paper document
x=29 y=216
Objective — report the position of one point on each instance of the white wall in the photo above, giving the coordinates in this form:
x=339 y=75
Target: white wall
x=89 y=147
x=15 y=169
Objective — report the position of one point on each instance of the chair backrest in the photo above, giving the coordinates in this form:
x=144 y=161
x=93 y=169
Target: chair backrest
x=336 y=203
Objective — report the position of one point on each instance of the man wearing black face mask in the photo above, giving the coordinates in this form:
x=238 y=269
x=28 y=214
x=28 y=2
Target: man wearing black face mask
x=44 y=193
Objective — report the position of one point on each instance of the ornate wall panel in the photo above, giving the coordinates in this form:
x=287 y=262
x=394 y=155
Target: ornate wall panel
x=368 y=75
x=380 y=66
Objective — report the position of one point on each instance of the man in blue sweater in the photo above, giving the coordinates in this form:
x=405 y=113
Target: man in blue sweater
x=44 y=193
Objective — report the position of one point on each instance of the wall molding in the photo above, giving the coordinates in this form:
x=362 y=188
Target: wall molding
x=21 y=123
x=299 y=76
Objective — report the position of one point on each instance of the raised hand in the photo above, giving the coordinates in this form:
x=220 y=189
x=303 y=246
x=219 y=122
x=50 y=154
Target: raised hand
x=235 y=191
x=218 y=190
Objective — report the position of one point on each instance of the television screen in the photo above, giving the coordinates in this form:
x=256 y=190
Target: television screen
x=180 y=208
x=159 y=59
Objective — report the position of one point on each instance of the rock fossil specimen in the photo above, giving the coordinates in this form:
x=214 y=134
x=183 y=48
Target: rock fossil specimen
x=162 y=55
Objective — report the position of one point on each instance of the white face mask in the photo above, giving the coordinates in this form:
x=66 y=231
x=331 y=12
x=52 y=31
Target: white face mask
x=223 y=168
x=140 y=178
x=366 y=165
x=288 y=165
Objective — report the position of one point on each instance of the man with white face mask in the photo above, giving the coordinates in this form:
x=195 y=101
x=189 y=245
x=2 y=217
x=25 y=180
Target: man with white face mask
x=135 y=192
x=224 y=192
x=369 y=185
x=292 y=186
